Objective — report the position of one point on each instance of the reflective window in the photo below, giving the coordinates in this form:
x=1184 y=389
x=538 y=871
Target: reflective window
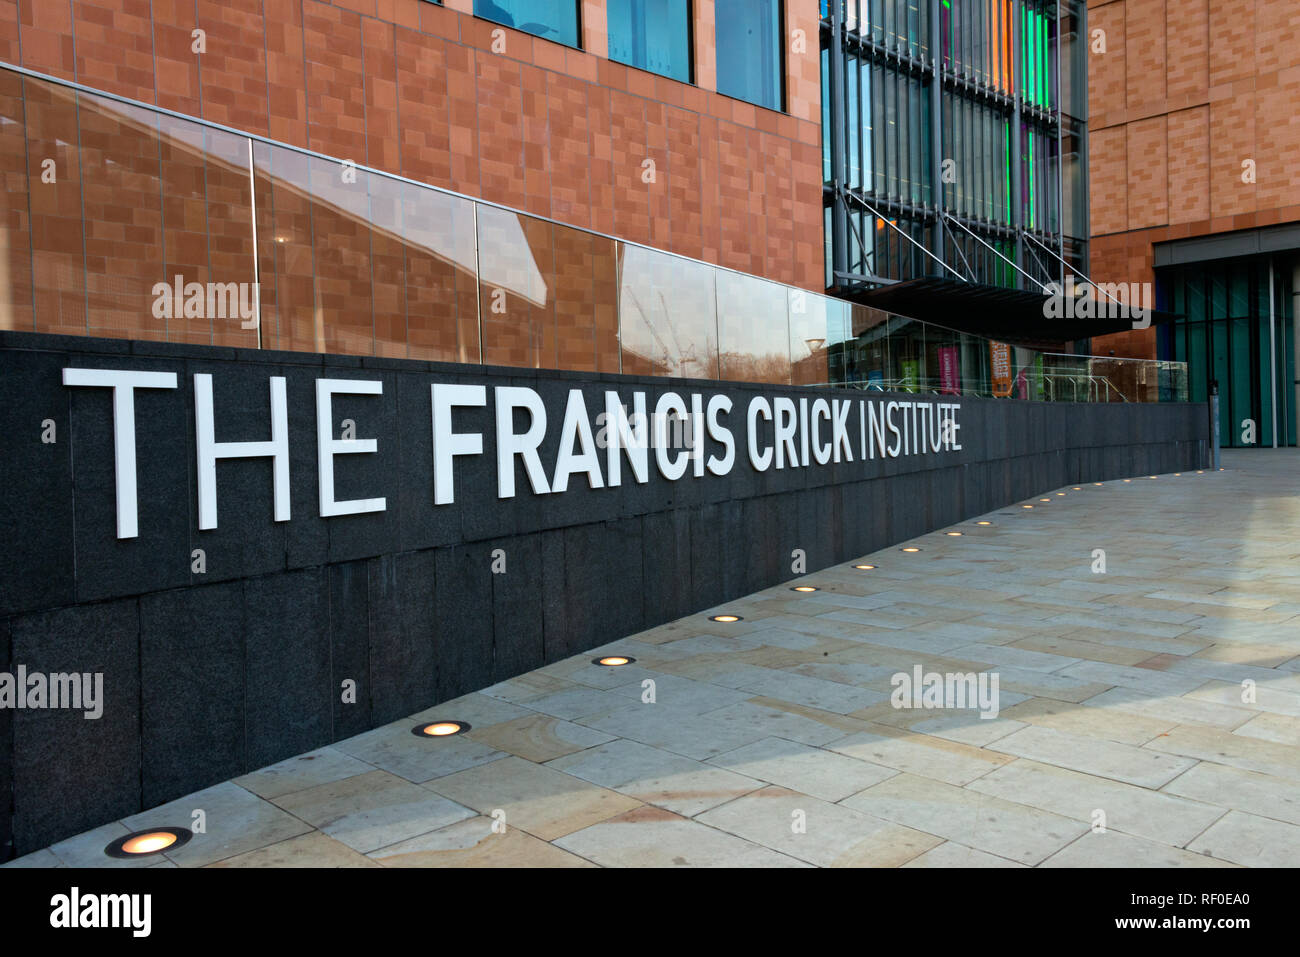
x=552 y=19
x=652 y=35
x=749 y=51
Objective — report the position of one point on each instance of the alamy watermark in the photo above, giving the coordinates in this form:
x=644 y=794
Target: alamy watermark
x=207 y=300
x=960 y=690
x=76 y=691
x=1105 y=300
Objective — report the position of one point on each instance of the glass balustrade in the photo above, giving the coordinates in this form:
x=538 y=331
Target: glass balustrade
x=127 y=222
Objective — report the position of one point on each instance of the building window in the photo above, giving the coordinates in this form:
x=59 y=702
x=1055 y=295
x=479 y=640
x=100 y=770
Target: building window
x=555 y=20
x=653 y=35
x=749 y=51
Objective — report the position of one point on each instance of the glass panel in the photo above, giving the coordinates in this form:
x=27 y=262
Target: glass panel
x=586 y=301
x=753 y=329
x=748 y=36
x=340 y=234
x=58 y=241
x=553 y=19
x=516 y=279
x=16 y=257
x=667 y=318
x=652 y=35
x=816 y=327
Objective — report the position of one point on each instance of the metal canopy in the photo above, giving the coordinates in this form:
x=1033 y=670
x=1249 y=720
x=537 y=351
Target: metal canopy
x=1013 y=316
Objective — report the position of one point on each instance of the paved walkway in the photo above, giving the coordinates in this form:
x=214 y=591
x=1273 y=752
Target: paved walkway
x=1148 y=715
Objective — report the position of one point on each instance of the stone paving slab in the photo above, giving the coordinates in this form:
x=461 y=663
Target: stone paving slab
x=1148 y=716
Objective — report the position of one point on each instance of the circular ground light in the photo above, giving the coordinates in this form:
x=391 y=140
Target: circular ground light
x=440 y=729
x=954 y=534
x=910 y=548
x=153 y=841
x=613 y=661
x=864 y=568
x=725 y=619
x=805 y=588
x=983 y=523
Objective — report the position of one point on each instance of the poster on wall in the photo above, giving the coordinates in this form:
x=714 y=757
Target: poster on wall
x=911 y=374
x=949 y=371
x=1000 y=366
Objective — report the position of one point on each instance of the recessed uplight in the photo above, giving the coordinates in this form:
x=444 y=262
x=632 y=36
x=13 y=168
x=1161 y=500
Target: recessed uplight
x=613 y=661
x=144 y=843
x=726 y=619
x=1153 y=476
x=910 y=548
x=1128 y=480
x=805 y=588
x=1098 y=483
x=1044 y=499
x=1077 y=488
x=1026 y=506
x=864 y=568
x=983 y=523
x=440 y=729
x=1200 y=471
x=954 y=534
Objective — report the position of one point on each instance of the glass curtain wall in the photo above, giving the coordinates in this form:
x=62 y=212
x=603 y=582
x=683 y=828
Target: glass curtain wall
x=1003 y=157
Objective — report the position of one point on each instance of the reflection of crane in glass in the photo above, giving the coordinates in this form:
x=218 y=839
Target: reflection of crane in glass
x=673 y=356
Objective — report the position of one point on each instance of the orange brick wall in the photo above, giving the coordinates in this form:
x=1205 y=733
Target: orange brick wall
x=414 y=88
x=1184 y=93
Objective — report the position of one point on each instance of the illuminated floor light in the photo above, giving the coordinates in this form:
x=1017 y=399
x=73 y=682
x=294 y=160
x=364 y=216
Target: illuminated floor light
x=1078 y=488
x=1153 y=476
x=613 y=661
x=1098 y=483
x=983 y=523
x=805 y=588
x=1060 y=494
x=1026 y=506
x=726 y=619
x=954 y=534
x=144 y=843
x=910 y=548
x=1128 y=480
x=1177 y=474
x=864 y=568
x=440 y=729
x=1044 y=499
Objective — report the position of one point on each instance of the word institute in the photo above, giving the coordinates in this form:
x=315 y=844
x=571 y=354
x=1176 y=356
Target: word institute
x=776 y=432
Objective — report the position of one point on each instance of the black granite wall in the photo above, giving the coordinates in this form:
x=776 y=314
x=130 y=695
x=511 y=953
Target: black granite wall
x=211 y=675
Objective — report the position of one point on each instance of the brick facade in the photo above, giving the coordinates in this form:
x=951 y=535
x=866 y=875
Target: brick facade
x=414 y=88
x=1185 y=92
